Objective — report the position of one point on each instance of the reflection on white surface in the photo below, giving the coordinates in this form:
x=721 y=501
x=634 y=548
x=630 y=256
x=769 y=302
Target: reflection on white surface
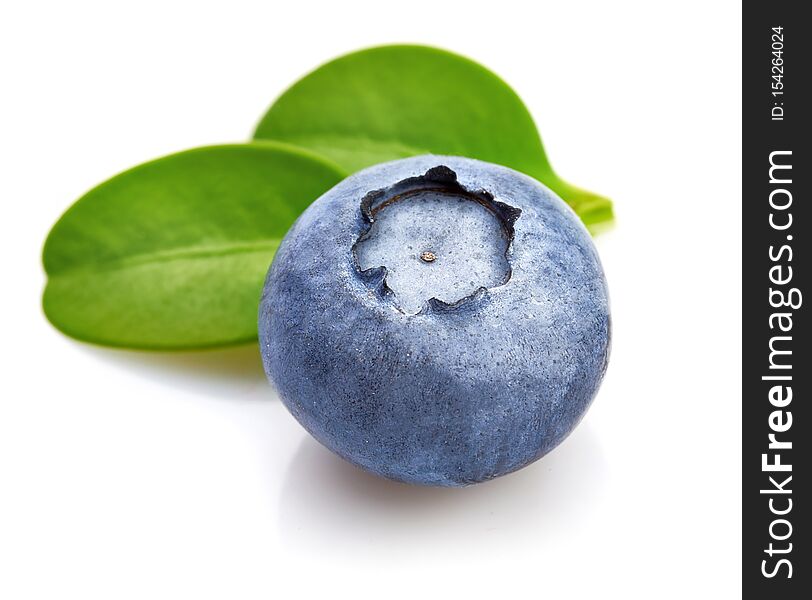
x=326 y=501
x=221 y=373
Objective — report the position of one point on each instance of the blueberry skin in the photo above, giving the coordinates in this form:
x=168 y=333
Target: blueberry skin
x=456 y=394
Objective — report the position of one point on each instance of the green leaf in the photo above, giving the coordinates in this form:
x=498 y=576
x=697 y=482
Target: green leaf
x=172 y=254
x=396 y=101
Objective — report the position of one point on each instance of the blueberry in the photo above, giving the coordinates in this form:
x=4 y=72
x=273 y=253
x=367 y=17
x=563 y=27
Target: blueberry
x=437 y=320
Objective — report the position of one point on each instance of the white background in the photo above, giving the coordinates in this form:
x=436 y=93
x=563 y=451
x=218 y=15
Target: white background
x=127 y=475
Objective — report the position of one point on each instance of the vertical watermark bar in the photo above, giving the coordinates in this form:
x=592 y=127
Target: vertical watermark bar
x=777 y=368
